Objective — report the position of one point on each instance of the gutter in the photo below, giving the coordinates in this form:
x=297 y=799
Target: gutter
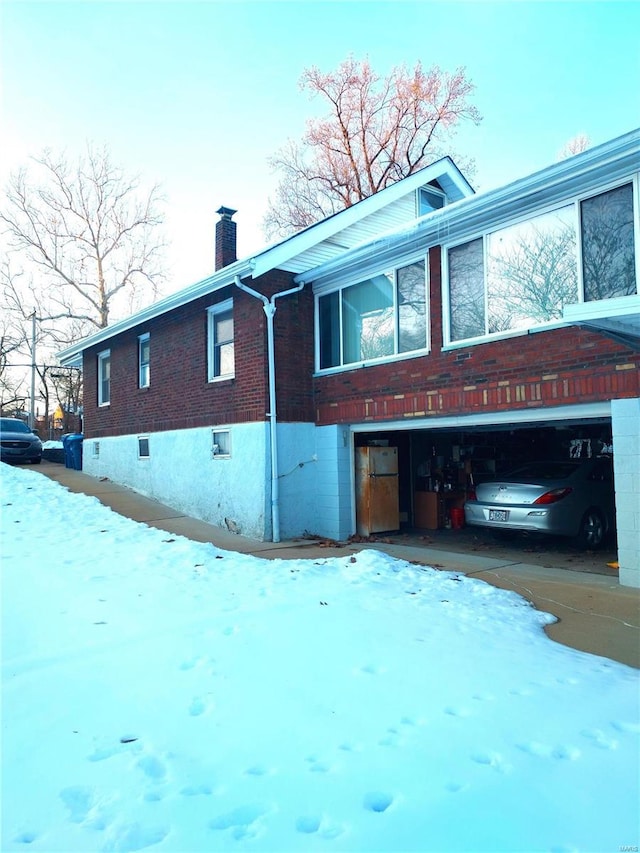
x=269 y=307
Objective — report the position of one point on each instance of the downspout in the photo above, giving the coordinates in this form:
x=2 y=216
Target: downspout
x=269 y=307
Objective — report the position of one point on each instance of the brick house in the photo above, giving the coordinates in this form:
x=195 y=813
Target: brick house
x=467 y=331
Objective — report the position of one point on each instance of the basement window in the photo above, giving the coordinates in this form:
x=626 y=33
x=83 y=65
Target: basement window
x=221 y=444
x=96 y=449
x=143 y=447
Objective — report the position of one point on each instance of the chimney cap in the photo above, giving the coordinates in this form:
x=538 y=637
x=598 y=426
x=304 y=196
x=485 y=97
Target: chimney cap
x=226 y=212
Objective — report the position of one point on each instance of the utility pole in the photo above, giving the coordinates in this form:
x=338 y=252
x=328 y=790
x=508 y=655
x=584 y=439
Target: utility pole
x=32 y=413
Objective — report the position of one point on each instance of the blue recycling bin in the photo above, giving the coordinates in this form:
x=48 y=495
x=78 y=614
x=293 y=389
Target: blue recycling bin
x=72 y=445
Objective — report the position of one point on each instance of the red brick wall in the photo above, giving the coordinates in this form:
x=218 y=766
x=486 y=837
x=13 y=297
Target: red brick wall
x=551 y=368
x=179 y=395
x=557 y=367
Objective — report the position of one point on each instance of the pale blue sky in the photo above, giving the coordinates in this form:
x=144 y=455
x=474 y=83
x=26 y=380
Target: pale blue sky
x=196 y=96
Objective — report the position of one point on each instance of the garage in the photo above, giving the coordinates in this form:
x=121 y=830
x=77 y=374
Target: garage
x=439 y=467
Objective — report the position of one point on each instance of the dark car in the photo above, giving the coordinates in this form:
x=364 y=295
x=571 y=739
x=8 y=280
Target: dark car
x=567 y=498
x=18 y=443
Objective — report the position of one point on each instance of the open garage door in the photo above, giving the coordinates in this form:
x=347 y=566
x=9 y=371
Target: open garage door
x=437 y=467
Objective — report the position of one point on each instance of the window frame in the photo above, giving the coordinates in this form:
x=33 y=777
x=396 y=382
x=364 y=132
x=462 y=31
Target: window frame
x=104 y=357
x=213 y=311
x=573 y=201
x=352 y=282
x=143 y=442
x=144 y=367
x=220 y=453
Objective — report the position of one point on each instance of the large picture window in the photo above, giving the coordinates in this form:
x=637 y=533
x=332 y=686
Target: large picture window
x=377 y=318
x=221 y=359
x=104 y=378
x=523 y=275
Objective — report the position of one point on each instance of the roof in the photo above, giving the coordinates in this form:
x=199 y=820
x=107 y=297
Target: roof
x=469 y=217
x=318 y=243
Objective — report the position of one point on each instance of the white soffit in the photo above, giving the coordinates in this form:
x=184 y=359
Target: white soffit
x=619 y=317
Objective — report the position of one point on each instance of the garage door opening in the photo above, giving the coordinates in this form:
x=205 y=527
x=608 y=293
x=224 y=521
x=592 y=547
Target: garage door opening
x=438 y=468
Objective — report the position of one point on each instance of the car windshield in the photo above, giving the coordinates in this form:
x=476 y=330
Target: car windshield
x=540 y=471
x=9 y=425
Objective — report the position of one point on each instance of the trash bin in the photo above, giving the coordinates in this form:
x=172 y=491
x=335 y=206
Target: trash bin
x=457 y=518
x=65 y=449
x=73 y=451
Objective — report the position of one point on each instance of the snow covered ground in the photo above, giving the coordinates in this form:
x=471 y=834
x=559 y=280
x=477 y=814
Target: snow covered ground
x=162 y=694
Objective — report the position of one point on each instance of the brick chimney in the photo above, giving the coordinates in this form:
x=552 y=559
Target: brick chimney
x=225 y=238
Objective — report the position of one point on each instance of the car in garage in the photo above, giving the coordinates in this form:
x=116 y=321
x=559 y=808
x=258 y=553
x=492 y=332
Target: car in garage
x=572 y=497
x=18 y=442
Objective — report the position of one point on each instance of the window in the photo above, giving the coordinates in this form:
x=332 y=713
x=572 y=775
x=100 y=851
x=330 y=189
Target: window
x=144 y=351
x=608 y=252
x=523 y=275
x=104 y=378
x=221 y=363
x=380 y=317
x=143 y=447
x=96 y=449
x=429 y=199
x=221 y=444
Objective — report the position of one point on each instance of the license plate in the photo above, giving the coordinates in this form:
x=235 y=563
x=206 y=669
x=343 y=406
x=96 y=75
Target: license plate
x=498 y=515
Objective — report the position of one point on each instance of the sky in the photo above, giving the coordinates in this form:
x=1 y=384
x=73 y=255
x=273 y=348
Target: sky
x=196 y=96
x=165 y=695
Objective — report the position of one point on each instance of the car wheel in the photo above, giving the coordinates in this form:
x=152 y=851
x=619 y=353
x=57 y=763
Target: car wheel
x=592 y=529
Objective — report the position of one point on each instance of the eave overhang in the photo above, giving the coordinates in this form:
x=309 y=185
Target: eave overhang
x=278 y=255
x=72 y=356
x=618 y=319
x=606 y=164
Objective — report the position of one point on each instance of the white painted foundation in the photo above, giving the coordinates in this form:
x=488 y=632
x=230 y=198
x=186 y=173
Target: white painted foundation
x=182 y=472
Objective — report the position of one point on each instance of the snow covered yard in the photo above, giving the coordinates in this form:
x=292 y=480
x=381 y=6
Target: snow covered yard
x=162 y=694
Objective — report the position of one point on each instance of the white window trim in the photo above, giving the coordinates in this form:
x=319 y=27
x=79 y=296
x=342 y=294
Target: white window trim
x=143 y=438
x=212 y=311
x=574 y=201
x=102 y=357
x=141 y=383
x=403 y=356
x=215 y=453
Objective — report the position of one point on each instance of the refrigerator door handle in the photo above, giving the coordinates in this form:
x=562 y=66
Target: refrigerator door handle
x=373 y=474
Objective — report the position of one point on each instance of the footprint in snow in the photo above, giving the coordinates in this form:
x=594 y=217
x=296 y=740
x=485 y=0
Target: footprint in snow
x=199 y=706
x=377 y=801
x=26 y=837
x=243 y=822
x=316 y=824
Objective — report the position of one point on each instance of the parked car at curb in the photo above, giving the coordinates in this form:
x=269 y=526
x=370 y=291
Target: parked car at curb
x=567 y=498
x=18 y=443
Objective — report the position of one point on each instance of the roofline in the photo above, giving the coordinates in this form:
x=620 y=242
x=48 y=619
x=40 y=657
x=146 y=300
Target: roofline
x=222 y=278
x=272 y=256
x=612 y=160
x=326 y=228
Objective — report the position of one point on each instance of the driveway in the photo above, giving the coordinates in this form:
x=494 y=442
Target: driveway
x=534 y=549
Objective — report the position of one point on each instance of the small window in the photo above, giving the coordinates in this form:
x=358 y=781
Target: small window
x=221 y=359
x=96 y=449
x=144 y=350
x=104 y=378
x=221 y=447
x=429 y=199
x=143 y=447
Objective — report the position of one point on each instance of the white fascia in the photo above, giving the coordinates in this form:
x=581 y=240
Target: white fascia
x=613 y=161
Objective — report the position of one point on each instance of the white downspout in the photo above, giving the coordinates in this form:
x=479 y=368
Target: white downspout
x=269 y=307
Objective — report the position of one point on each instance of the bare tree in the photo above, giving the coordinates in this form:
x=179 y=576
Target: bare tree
x=377 y=131
x=576 y=145
x=89 y=233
